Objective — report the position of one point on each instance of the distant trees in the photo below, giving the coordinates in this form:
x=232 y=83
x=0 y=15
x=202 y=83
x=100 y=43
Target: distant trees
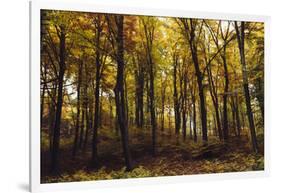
x=176 y=74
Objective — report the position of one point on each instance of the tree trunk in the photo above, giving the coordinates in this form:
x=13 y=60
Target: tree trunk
x=149 y=36
x=194 y=118
x=237 y=116
x=163 y=96
x=152 y=110
x=225 y=118
x=119 y=92
x=240 y=39
x=56 y=137
x=97 y=97
x=184 y=106
x=77 y=126
x=87 y=127
x=82 y=127
x=176 y=100
x=42 y=105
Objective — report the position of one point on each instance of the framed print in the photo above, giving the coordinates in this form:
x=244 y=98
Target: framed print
x=145 y=96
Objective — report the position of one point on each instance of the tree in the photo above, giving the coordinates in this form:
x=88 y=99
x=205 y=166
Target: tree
x=240 y=33
x=189 y=30
x=115 y=26
x=98 y=29
x=224 y=35
x=56 y=138
x=149 y=29
x=176 y=97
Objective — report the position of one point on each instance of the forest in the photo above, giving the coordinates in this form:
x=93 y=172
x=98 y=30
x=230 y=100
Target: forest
x=126 y=96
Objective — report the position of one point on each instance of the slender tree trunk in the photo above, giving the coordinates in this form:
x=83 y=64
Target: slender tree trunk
x=152 y=110
x=240 y=38
x=137 y=99
x=82 y=127
x=141 y=101
x=190 y=125
x=126 y=100
x=237 y=116
x=184 y=106
x=110 y=111
x=51 y=124
x=149 y=35
x=119 y=92
x=194 y=118
x=226 y=85
x=163 y=97
x=176 y=100
x=232 y=104
x=87 y=127
x=42 y=105
x=215 y=101
x=56 y=137
x=77 y=126
x=147 y=101
x=97 y=111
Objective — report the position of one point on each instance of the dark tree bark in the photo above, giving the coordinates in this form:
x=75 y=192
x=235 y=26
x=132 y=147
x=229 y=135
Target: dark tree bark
x=89 y=122
x=101 y=105
x=56 y=137
x=84 y=119
x=226 y=85
x=176 y=98
x=238 y=125
x=97 y=94
x=190 y=125
x=194 y=115
x=118 y=46
x=126 y=99
x=42 y=105
x=148 y=118
x=141 y=110
x=163 y=97
x=137 y=106
x=240 y=32
x=82 y=127
x=232 y=105
x=51 y=119
x=87 y=118
x=184 y=101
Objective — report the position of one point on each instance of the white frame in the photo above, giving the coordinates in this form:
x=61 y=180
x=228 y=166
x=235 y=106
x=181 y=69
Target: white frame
x=34 y=102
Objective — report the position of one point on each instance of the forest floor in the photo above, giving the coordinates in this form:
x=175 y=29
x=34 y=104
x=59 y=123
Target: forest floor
x=174 y=157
